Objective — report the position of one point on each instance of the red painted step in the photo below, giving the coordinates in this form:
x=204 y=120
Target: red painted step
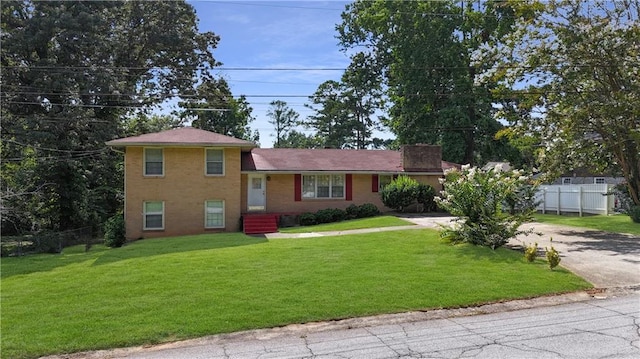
x=260 y=223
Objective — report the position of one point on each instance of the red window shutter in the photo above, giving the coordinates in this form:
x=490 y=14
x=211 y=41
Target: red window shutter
x=374 y=183
x=297 y=187
x=348 y=187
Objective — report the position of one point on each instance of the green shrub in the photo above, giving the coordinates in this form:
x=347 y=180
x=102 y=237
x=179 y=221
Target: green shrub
x=339 y=215
x=352 y=211
x=329 y=215
x=362 y=211
x=114 y=231
x=553 y=256
x=634 y=213
x=479 y=199
x=531 y=252
x=48 y=242
x=426 y=197
x=400 y=193
x=368 y=210
x=308 y=219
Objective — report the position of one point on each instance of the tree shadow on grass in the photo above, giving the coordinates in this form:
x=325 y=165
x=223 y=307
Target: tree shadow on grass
x=145 y=248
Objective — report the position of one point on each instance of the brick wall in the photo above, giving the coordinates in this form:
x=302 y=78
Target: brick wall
x=184 y=188
x=281 y=196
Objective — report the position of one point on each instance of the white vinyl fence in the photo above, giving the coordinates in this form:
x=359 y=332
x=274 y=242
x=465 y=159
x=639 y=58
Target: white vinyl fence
x=585 y=198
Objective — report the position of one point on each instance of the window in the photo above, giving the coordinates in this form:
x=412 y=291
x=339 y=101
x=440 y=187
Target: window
x=566 y=180
x=323 y=186
x=383 y=181
x=214 y=214
x=214 y=162
x=153 y=162
x=154 y=215
x=599 y=180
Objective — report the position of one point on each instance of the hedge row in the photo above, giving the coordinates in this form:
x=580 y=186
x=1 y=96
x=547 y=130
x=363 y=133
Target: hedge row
x=336 y=215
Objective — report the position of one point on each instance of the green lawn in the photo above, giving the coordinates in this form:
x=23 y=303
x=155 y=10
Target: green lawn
x=159 y=290
x=373 y=222
x=619 y=223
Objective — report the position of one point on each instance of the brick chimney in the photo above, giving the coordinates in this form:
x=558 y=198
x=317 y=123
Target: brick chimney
x=421 y=158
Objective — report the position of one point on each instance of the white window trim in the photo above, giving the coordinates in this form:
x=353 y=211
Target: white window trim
x=315 y=190
x=224 y=214
x=595 y=180
x=223 y=162
x=144 y=161
x=144 y=217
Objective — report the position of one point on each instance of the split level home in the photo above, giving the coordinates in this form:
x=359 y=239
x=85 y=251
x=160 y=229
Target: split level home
x=190 y=181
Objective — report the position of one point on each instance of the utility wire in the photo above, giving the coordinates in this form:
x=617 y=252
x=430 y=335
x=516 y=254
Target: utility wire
x=127 y=68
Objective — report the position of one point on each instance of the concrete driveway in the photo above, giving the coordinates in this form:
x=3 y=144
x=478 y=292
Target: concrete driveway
x=607 y=260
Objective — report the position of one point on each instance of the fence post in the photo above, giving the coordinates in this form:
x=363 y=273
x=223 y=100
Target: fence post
x=558 y=210
x=580 y=201
x=607 y=198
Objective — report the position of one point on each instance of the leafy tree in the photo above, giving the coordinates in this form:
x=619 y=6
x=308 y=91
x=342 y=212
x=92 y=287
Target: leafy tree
x=479 y=199
x=213 y=108
x=71 y=70
x=345 y=110
x=142 y=123
x=296 y=139
x=581 y=108
x=422 y=51
x=362 y=98
x=283 y=119
x=331 y=120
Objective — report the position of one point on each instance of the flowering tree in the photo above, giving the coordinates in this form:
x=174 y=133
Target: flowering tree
x=490 y=205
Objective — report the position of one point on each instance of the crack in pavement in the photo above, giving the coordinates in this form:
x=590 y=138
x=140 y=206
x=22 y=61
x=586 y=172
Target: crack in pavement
x=634 y=343
x=307 y=345
x=399 y=355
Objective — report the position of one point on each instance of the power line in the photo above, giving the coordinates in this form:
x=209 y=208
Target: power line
x=135 y=104
x=240 y=68
x=81 y=152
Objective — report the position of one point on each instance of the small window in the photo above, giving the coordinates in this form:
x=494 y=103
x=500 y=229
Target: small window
x=153 y=162
x=566 y=180
x=599 y=180
x=383 y=181
x=153 y=215
x=214 y=214
x=214 y=162
x=323 y=186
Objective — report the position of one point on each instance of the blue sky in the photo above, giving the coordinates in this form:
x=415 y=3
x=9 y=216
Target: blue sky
x=275 y=34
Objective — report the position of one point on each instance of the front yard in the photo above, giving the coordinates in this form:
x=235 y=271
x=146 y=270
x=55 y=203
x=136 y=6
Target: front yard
x=160 y=290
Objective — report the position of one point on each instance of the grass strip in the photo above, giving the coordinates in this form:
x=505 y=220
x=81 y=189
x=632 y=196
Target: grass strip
x=619 y=223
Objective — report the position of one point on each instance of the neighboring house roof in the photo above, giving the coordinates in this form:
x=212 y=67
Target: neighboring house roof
x=327 y=160
x=182 y=136
x=503 y=166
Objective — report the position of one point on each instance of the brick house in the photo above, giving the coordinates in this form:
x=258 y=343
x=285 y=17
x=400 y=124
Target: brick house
x=190 y=181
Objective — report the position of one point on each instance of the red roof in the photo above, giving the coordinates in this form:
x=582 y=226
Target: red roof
x=329 y=160
x=182 y=136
